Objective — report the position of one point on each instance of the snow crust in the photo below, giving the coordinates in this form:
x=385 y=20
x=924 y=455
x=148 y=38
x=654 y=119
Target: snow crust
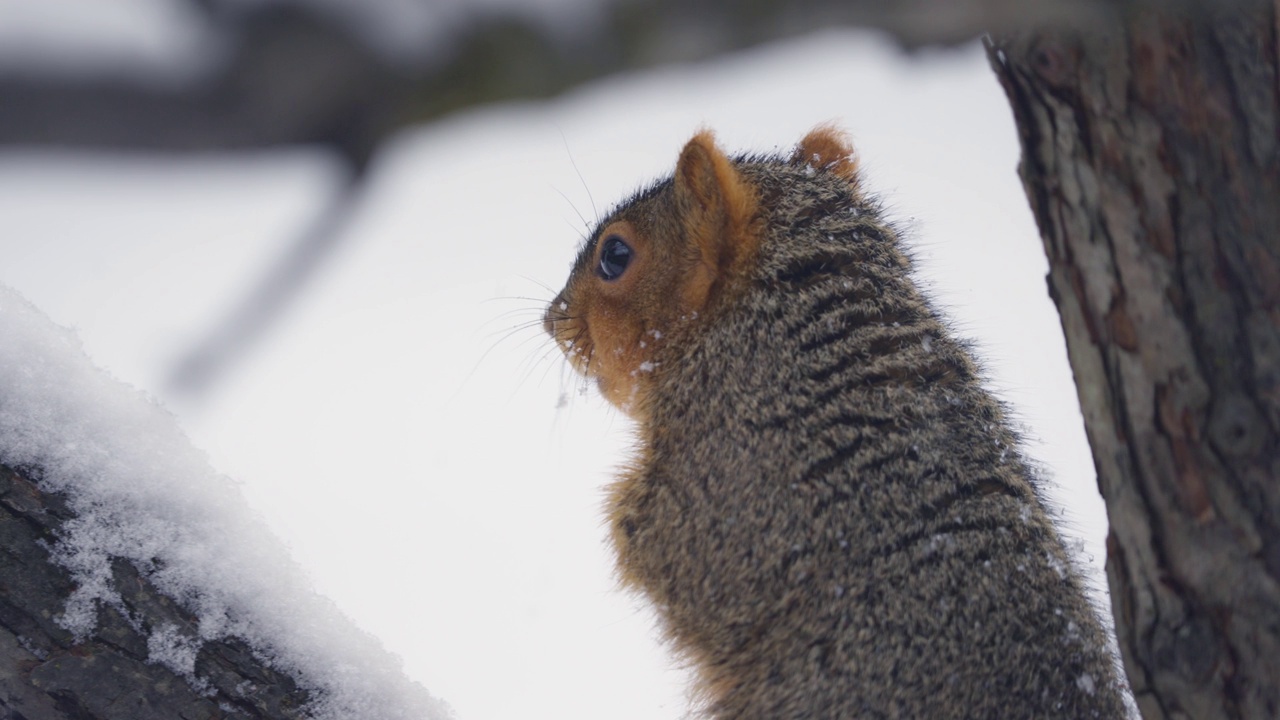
x=142 y=492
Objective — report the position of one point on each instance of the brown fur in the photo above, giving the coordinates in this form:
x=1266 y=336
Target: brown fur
x=827 y=508
x=827 y=147
x=714 y=205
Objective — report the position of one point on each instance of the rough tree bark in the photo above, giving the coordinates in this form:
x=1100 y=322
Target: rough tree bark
x=46 y=674
x=1150 y=158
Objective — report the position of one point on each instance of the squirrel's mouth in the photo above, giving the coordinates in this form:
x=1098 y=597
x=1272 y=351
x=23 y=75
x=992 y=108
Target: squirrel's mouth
x=569 y=334
x=611 y=366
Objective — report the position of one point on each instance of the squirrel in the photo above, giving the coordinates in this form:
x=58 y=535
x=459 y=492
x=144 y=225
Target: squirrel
x=828 y=510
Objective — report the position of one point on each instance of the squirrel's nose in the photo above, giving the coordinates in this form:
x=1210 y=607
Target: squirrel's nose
x=553 y=311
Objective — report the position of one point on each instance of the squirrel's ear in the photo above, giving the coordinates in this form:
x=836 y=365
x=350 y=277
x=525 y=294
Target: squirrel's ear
x=708 y=184
x=826 y=147
x=717 y=207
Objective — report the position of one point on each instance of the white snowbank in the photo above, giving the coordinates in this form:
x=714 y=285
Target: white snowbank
x=143 y=493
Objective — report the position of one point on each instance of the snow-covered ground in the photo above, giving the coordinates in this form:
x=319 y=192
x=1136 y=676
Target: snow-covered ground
x=407 y=431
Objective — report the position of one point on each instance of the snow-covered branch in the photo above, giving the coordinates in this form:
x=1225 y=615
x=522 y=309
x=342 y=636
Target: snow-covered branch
x=134 y=580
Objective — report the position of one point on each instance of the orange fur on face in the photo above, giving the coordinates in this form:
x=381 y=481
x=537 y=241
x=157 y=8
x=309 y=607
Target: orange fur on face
x=717 y=210
x=601 y=324
x=682 y=261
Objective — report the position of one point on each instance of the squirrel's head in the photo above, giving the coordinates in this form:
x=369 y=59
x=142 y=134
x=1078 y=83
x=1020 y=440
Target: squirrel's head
x=665 y=263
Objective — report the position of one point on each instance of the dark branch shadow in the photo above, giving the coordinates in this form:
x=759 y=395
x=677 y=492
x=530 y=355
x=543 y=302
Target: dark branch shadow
x=202 y=367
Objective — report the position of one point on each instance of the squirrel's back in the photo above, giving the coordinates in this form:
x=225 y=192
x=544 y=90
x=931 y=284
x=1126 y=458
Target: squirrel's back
x=828 y=509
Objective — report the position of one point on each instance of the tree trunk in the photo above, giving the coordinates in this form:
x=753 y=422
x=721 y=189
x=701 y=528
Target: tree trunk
x=1150 y=161
x=46 y=674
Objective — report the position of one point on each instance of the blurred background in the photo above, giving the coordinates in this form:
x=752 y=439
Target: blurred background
x=321 y=234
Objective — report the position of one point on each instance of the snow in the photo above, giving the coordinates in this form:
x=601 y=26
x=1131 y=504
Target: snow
x=169 y=647
x=141 y=492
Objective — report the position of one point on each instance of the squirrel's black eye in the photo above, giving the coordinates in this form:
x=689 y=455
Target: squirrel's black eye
x=614 y=257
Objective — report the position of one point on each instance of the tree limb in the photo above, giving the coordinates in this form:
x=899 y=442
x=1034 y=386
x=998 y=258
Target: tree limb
x=47 y=674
